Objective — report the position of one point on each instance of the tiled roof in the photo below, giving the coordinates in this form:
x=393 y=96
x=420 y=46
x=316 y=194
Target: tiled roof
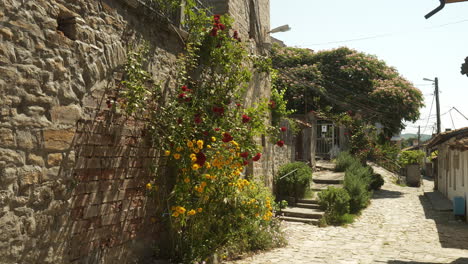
x=461 y=144
x=460 y=134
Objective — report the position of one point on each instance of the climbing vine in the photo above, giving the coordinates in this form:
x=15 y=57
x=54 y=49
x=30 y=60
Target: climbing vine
x=207 y=136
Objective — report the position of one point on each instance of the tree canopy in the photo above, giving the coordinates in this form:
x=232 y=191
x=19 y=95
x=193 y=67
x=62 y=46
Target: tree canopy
x=345 y=80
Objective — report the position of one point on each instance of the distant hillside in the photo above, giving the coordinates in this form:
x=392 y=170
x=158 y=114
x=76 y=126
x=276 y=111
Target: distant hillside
x=424 y=137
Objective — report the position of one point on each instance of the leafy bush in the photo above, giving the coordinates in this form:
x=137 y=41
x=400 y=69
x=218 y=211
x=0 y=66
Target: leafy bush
x=344 y=161
x=335 y=202
x=411 y=157
x=297 y=182
x=376 y=182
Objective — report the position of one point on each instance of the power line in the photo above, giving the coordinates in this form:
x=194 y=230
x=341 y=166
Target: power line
x=384 y=35
x=453 y=124
x=430 y=111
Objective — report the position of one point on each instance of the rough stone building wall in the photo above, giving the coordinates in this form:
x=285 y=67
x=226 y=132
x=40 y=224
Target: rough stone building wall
x=72 y=172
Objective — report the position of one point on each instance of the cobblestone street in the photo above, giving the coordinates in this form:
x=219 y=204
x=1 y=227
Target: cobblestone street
x=398 y=227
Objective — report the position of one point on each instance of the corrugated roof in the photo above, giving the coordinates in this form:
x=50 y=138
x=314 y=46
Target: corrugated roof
x=461 y=133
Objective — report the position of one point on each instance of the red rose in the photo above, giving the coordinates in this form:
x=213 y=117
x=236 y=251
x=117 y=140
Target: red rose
x=245 y=118
x=280 y=143
x=198 y=119
x=201 y=159
x=221 y=26
x=182 y=95
x=246 y=162
x=184 y=88
x=205 y=133
x=188 y=99
x=217 y=129
x=227 y=137
x=244 y=154
x=257 y=157
x=238 y=105
x=272 y=104
x=216 y=18
x=214 y=32
x=283 y=129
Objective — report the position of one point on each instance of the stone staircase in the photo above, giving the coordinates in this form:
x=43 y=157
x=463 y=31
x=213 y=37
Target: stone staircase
x=308 y=210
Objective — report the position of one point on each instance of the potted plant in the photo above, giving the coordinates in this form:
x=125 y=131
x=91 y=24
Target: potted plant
x=411 y=160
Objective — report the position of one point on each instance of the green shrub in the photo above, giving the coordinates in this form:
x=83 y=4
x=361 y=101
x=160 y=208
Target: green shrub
x=297 y=182
x=411 y=157
x=344 y=161
x=335 y=202
x=376 y=182
x=357 y=188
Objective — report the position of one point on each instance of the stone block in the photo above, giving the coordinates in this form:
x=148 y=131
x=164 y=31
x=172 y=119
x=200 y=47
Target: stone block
x=58 y=140
x=54 y=159
x=25 y=140
x=35 y=160
x=7 y=139
x=8 y=175
x=66 y=114
x=12 y=157
x=50 y=173
x=29 y=175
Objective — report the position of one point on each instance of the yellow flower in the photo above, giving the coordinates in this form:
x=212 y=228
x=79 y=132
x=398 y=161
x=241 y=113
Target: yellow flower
x=186 y=180
x=235 y=143
x=207 y=176
x=213 y=139
x=195 y=166
x=149 y=186
x=180 y=209
x=203 y=184
x=175 y=214
x=191 y=212
x=196 y=150
x=194 y=159
x=208 y=146
x=193 y=156
x=207 y=165
x=199 y=209
x=257 y=215
x=179 y=149
x=176 y=156
x=167 y=153
x=200 y=144
x=190 y=144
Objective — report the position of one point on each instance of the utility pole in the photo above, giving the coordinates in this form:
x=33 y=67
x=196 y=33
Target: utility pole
x=419 y=136
x=436 y=82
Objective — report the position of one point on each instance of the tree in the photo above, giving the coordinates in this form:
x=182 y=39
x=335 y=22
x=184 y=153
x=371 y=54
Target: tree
x=345 y=80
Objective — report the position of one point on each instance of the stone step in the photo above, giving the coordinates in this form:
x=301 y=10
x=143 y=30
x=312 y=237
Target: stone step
x=327 y=181
x=308 y=201
x=321 y=187
x=307 y=205
x=300 y=220
x=302 y=213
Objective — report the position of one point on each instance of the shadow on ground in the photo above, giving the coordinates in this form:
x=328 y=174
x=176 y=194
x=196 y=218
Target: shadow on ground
x=452 y=233
x=385 y=194
x=458 y=261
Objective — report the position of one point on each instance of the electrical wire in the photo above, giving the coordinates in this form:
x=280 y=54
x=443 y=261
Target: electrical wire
x=430 y=111
x=450 y=112
x=383 y=35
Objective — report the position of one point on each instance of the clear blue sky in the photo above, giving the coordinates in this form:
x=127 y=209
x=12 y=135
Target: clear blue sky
x=416 y=47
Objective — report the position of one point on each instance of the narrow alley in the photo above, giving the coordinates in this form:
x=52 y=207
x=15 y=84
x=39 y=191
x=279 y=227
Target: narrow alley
x=398 y=227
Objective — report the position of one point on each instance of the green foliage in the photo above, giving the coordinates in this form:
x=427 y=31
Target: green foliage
x=376 y=182
x=347 y=80
x=207 y=137
x=335 y=202
x=278 y=105
x=297 y=181
x=344 y=160
x=357 y=182
x=411 y=157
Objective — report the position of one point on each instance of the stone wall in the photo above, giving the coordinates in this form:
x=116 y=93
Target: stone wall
x=72 y=172
x=72 y=169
